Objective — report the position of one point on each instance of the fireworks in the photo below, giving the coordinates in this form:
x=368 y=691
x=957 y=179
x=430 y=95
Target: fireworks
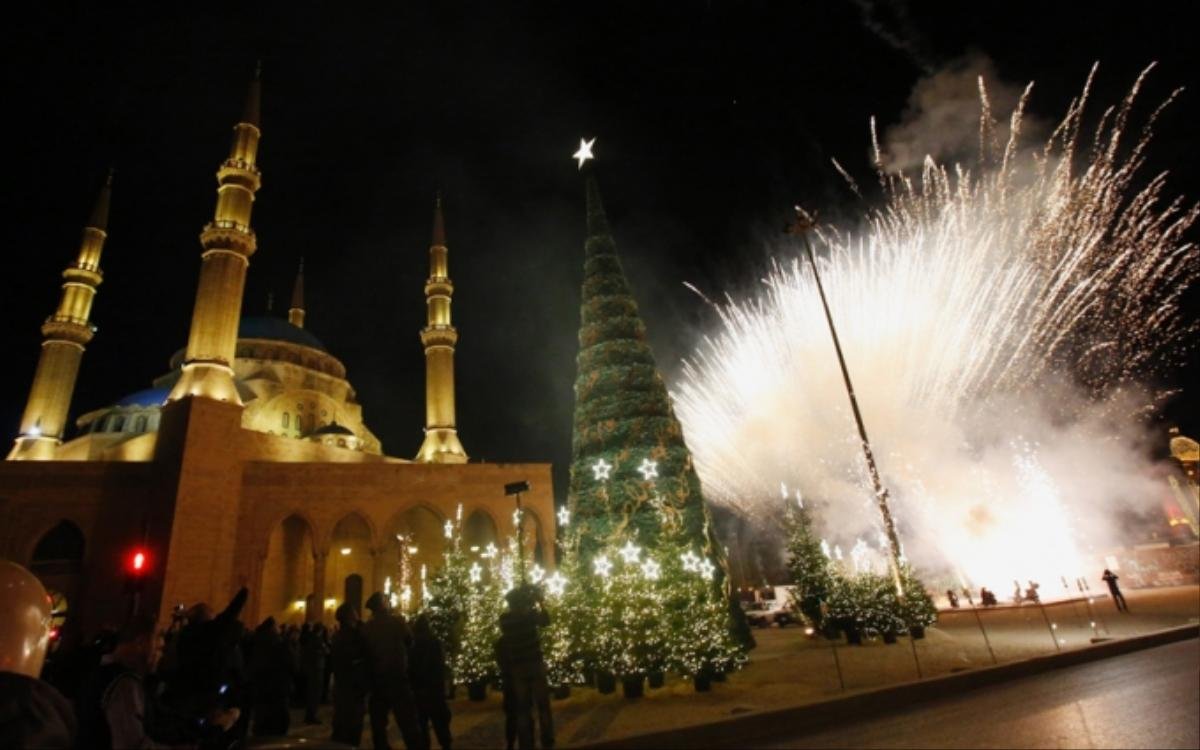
x=992 y=321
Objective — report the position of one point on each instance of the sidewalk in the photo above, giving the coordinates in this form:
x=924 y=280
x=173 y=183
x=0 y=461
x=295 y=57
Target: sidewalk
x=789 y=670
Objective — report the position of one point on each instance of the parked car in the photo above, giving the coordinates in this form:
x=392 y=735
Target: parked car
x=770 y=612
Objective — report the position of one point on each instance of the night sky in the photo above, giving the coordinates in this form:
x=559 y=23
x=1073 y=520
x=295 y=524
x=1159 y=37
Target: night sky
x=712 y=119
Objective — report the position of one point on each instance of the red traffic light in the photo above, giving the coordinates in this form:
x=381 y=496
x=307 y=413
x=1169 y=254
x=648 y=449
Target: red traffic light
x=139 y=562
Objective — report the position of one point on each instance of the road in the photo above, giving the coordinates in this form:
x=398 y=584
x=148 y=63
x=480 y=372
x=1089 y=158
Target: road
x=1146 y=699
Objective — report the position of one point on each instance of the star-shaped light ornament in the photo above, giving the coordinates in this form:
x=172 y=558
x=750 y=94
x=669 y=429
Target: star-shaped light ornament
x=556 y=584
x=489 y=551
x=585 y=152
x=630 y=553
x=690 y=561
x=651 y=569
x=448 y=529
x=602 y=566
x=648 y=469
x=517 y=517
x=537 y=573
x=707 y=569
x=476 y=573
x=601 y=470
x=564 y=516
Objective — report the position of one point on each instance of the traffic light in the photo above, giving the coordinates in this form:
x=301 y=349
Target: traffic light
x=138 y=563
x=137 y=569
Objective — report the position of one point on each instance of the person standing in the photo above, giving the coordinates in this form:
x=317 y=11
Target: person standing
x=348 y=658
x=388 y=639
x=509 y=695
x=270 y=681
x=1110 y=578
x=523 y=657
x=313 y=652
x=427 y=670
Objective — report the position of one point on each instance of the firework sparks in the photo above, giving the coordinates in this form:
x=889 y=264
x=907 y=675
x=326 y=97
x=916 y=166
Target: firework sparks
x=962 y=302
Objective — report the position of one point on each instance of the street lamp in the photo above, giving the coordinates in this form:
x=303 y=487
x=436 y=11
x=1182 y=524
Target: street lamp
x=803 y=223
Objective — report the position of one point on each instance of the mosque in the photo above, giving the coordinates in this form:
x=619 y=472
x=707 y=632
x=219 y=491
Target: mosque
x=248 y=463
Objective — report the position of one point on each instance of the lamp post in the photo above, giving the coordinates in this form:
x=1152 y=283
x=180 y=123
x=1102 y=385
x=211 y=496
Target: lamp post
x=800 y=227
x=510 y=490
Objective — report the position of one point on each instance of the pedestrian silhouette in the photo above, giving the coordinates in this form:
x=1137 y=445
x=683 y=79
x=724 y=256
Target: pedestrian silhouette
x=522 y=653
x=388 y=640
x=271 y=675
x=1110 y=578
x=351 y=677
x=427 y=670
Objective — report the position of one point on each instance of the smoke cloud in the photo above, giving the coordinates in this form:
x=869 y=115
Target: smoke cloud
x=942 y=117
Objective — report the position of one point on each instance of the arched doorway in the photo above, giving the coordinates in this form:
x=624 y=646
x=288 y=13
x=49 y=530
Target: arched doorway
x=57 y=561
x=350 y=554
x=287 y=578
x=532 y=537
x=479 y=531
x=416 y=545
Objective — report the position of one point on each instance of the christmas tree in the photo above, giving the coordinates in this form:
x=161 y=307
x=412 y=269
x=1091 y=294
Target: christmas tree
x=651 y=575
x=808 y=565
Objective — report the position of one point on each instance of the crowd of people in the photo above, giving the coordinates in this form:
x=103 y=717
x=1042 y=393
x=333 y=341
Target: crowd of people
x=210 y=682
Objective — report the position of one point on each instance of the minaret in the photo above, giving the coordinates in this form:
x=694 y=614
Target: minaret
x=228 y=243
x=441 y=443
x=296 y=311
x=66 y=333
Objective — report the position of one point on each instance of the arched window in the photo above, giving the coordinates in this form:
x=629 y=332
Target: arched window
x=140 y=424
x=64 y=542
x=118 y=424
x=286 y=419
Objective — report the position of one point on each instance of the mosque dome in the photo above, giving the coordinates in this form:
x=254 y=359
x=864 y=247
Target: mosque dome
x=277 y=329
x=144 y=398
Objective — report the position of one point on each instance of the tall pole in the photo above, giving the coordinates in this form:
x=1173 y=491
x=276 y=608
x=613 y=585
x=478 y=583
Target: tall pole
x=801 y=226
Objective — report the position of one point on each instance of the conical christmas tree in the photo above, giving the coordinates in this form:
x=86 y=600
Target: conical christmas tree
x=653 y=577
x=630 y=467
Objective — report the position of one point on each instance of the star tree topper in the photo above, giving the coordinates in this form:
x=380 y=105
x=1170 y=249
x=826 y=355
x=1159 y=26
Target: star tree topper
x=585 y=152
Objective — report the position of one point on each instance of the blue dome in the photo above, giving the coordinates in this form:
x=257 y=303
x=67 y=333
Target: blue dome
x=277 y=329
x=148 y=397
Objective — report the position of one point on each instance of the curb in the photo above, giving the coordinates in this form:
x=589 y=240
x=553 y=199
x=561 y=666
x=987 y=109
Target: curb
x=745 y=729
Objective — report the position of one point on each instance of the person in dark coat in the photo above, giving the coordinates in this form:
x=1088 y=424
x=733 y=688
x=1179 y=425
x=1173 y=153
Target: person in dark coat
x=388 y=639
x=351 y=677
x=1110 y=578
x=523 y=652
x=209 y=654
x=427 y=671
x=271 y=674
x=509 y=695
x=313 y=652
